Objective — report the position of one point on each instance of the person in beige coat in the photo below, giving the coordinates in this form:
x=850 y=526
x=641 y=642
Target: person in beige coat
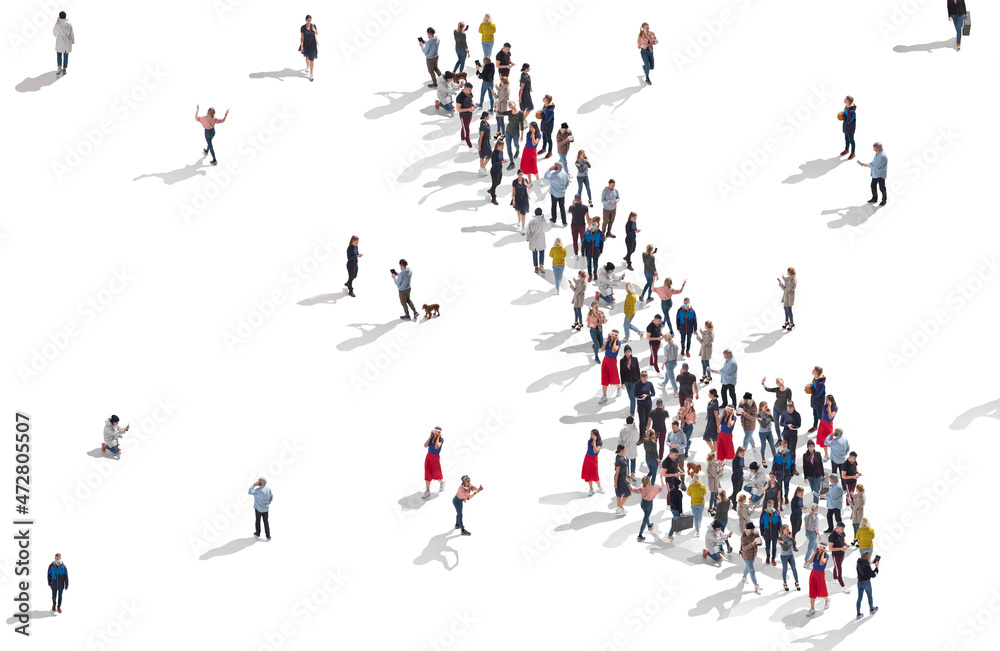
x=63 y=31
x=706 y=337
x=563 y=139
x=787 y=285
x=579 y=290
x=858 y=508
x=713 y=483
x=747 y=409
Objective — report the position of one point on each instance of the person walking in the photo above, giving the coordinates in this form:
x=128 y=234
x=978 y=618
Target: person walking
x=548 y=119
x=770 y=527
x=564 y=138
x=866 y=572
x=648 y=491
x=687 y=415
x=957 y=14
x=790 y=422
x=671 y=351
x=795 y=520
x=466 y=491
x=529 y=162
x=514 y=131
x=208 y=121
x=536 y=240
x=787 y=285
x=727 y=374
x=649 y=448
x=432 y=462
x=675 y=502
x=461 y=47
x=687 y=325
x=352 y=264
x=486 y=73
x=834 y=503
x=849 y=118
x=609 y=366
x=262 y=498
x=817 y=395
x=58 y=578
x=579 y=219
x=649 y=272
x=590 y=472
x=609 y=200
x=622 y=488
x=666 y=294
x=748 y=550
x=878 y=167
x=858 y=509
x=644 y=393
x=496 y=170
x=65 y=38
x=784 y=470
x=558 y=255
x=838 y=545
x=430 y=50
x=812 y=469
x=706 y=337
x=558 y=185
x=747 y=411
x=595 y=322
x=817 y=579
x=628 y=373
x=485 y=144
x=696 y=491
x=631 y=228
x=403 y=281
x=579 y=288
x=786 y=542
x=487 y=28
x=646 y=41
x=466 y=105
x=308 y=44
x=658 y=417
x=583 y=175
x=112 y=432
x=629 y=310
x=811 y=525
x=519 y=196
x=826 y=417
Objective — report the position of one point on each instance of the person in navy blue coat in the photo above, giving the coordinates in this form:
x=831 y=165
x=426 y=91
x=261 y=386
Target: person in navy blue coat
x=58 y=581
x=593 y=246
x=770 y=529
x=783 y=470
x=687 y=325
x=850 y=119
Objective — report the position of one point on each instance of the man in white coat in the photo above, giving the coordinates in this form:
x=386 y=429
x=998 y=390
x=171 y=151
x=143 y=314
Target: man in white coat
x=63 y=31
x=112 y=431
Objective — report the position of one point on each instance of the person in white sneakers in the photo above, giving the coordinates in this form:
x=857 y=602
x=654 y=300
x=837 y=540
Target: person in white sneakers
x=622 y=488
x=112 y=432
x=749 y=542
x=432 y=462
x=63 y=31
x=590 y=473
x=817 y=579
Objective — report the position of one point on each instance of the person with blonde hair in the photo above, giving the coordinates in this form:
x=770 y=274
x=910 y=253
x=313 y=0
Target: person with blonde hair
x=558 y=255
x=787 y=285
x=645 y=42
x=865 y=536
x=487 y=28
x=208 y=121
x=812 y=531
x=629 y=310
x=706 y=337
x=858 y=508
x=696 y=491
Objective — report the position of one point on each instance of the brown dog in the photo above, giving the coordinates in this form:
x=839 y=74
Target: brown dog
x=460 y=78
x=432 y=310
x=693 y=468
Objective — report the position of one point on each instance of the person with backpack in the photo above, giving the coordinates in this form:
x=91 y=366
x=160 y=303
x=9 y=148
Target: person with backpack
x=58 y=577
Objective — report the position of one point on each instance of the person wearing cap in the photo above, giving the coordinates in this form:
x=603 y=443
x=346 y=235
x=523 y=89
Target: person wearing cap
x=536 y=240
x=112 y=432
x=714 y=539
x=609 y=366
x=838 y=545
x=622 y=487
x=564 y=138
x=648 y=493
x=445 y=90
x=755 y=483
x=629 y=437
x=605 y=280
x=609 y=200
x=748 y=550
x=727 y=374
x=834 y=502
x=558 y=184
x=58 y=577
x=466 y=491
x=430 y=50
x=432 y=462
x=262 y=498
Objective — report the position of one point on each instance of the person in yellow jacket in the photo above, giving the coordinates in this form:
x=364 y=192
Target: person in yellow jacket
x=696 y=491
x=487 y=28
x=558 y=255
x=865 y=536
x=630 y=298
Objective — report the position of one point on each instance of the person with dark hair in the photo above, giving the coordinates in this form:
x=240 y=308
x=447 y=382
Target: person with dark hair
x=631 y=228
x=308 y=41
x=524 y=94
x=548 y=118
x=866 y=572
x=262 y=498
x=748 y=550
x=770 y=527
x=796 y=518
x=644 y=393
x=466 y=491
x=622 y=487
x=609 y=202
x=579 y=218
x=485 y=144
x=957 y=14
x=403 y=280
x=784 y=470
x=590 y=472
x=430 y=50
x=352 y=264
x=675 y=502
x=849 y=475
x=838 y=545
x=629 y=437
x=878 y=167
x=446 y=89
x=432 y=462
x=670 y=471
x=58 y=577
x=63 y=31
x=828 y=413
x=817 y=395
x=208 y=121
x=787 y=543
x=711 y=434
x=755 y=483
x=112 y=432
x=564 y=138
x=628 y=373
x=536 y=241
x=739 y=462
x=486 y=72
x=849 y=117
x=496 y=170
x=812 y=468
x=817 y=579
x=790 y=421
x=609 y=366
x=466 y=105
x=648 y=491
x=593 y=246
x=811 y=524
x=513 y=132
x=715 y=538
x=652 y=457
x=519 y=196
x=558 y=184
x=529 y=161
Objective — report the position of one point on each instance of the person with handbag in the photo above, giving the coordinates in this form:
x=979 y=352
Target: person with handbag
x=675 y=501
x=595 y=321
x=849 y=116
x=432 y=462
x=63 y=31
x=308 y=44
x=748 y=551
x=646 y=41
x=957 y=14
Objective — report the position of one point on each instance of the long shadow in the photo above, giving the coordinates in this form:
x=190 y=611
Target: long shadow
x=717 y=602
x=33 y=84
x=852 y=215
x=926 y=47
x=562 y=379
x=449 y=128
x=416 y=500
x=33 y=614
x=369 y=335
x=554 y=341
x=988 y=410
x=614 y=99
x=589 y=411
x=280 y=75
x=323 y=299
x=791 y=613
x=492 y=229
x=397 y=102
x=436 y=550
x=414 y=170
x=451 y=180
x=230 y=547
x=180 y=174
x=764 y=341
x=814 y=169
x=532 y=296
x=827 y=640
x=468 y=205
x=562 y=499
x=513 y=238
x=585 y=520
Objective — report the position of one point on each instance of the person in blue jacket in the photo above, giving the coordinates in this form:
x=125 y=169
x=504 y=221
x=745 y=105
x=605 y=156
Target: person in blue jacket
x=58 y=581
x=593 y=246
x=850 y=118
x=784 y=468
x=770 y=530
x=817 y=392
x=548 y=123
x=878 y=167
x=687 y=325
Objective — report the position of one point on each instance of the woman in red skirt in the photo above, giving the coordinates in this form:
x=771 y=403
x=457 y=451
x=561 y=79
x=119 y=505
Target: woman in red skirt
x=529 y=159
x=724 y=449
x=432 y=462
x=609 y=366
x=817 y=579
x=590 y=473
x=826 y=424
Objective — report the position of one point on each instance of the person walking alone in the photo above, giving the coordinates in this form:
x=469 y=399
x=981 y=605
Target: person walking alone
x=430 y=50
x=878 y=167
x=308 y=42
x=58 y=577
x=466 y=491
x=432 y=462
x=787 y=285
x=352 y=264
x=850 y=119
x=646 y=41
x=262 y=498
x=402 y=280
x=65 y=38
x=208 y=121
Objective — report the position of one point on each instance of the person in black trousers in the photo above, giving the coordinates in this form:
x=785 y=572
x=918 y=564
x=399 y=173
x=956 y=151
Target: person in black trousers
x=791 y=420
x=496 y=171
x=630 y=231
x=352 y=264
x=644 y=393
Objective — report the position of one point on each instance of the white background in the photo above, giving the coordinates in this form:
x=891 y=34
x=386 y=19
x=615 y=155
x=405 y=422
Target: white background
x=363 y=153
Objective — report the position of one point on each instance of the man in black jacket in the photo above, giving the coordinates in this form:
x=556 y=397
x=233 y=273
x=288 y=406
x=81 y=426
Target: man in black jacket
x=812 y=469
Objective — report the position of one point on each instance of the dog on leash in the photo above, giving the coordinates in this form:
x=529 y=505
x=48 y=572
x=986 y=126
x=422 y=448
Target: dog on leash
x=432 y=310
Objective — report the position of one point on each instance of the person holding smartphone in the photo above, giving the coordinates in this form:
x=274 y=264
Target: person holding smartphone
x=63 y=31
x=644 y=393
x=609 y=366
x=878 y=167
x=867 y=571
x=461 y=46
x=486 y=71
x=430 y=50
x=817 y=579
x=352 y=264
x=432 y=462
x=112 y=432
x=466 y=491
x=402 y=280
x=788 y=284
x=262 y=498
x=308 y=42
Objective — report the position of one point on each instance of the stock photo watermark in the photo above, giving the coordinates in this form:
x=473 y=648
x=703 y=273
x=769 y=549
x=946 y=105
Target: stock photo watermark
x=304 y=609
x=710 y=31
x=107 y=635
x=39 y=21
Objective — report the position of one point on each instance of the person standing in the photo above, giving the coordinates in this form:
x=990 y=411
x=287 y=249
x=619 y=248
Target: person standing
x=466 y=105
x=504 y=62
x=744 y=511
x=713 y=475
x=865 y=536
x=670 y=471
x=747 y=411
x=208 y=121
x=817 y=395
x=484 y=145
x=812 y=531
x=666 y=294
x=622 y=488
x=766 y=433
x=687 y=325
x=649 y=448
x=308 y=44
x=558 y=184
x=352 y=264
x=536 y=240
x=648 y=493
x=654 y=335
x=787 y=542
x=706 y=338
x=590 y=472
x=595 y=321
x=784 y=469
x=748 y=550
x=866 y=572
x=548 y=119
x=826 y=423
x=796 y=517
x=727 y=374
x=112 y=432
x=564 y=138
x=519 y=196
x=790 y=422
x=787 y=285
x=529 y=162
x=675 y=502
x=496 y=170
x=658 y=418
x=461 y=47
x=628 y=373
x=817 y=579
x=466 y=491
x=670 y=355
x=430 y=50
x=579 y=290
x=644 y=393
x=631 y=228
x=849 y=117
x=524 y=93
x=839 y=448
x=957 y=14
x=849 y=476
x=503 y=101
x=432 y=462
x=629 y=310
x=834 y=503
x=262 y=498
x=838 y=545
x=739 y=462
x=58 y=577
x=878 y=167
x=487 y=28
x=486 y=73
x=696 y=491
x=403 y=280
x=770 y=527
x=579 y=218
x=686 y=413
x=676 y=440
x=65 y=38
x=583 y=175
x=858 y=509
x=558 y=255
x=812 y=469
x=609 y=201
x=649 y=272
x=725 y=448
x=782 y=395
x=609 y=366
x=646 y=41
x=711 y=434
x=629 y=437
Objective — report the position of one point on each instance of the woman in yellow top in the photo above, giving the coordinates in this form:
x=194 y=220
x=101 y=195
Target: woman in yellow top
x=696 y=491
x=558 y=255
x=487 y=29
x=865 y=536
x=630 y=299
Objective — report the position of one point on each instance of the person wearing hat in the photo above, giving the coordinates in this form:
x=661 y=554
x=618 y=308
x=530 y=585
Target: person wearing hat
x=564 y=137
x=445 y=90
x=112 y=432
x=58 y=578
x=536 y=240
x=558 y=184
x=714 y=539
x=466 y=491
x=622 y=487
x=748 y=550
x=605 y=279
x=755 y=483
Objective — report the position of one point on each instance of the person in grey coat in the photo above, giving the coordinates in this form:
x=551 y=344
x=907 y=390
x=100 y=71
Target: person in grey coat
x=787 y=285
x=579 y=288
x=536 y=240
x=605 y=280
x=112 y=432
x=63 y=31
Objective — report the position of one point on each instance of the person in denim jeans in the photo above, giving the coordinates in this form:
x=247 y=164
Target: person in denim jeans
x=696 y=491
x=748 y=550
x=666 y=294
x=649 y=272
x=596 y=319
x=593 y=246
x=487 y=28
x=583 y=175
x=811 y=526
x=812 y=469
x=461 y=47
x=675 y=501
x=645 y=42
x=956 y=14
x=787 y=556
x=866 y=572
x=670 y=353
x=486 y=72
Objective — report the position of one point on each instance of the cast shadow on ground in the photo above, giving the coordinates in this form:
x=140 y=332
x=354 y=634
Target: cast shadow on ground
x=97 y=453
x=492 y=229
x=416 y=500
x=532 y=296
x=33 y=84
x=926 y=47
x=450 y=180
x=467 y=205
x=33 y=614
x=436 y=550
x=323 y=299
x=989 y=410
x=370 y=332
x=562 y=379
x=555 y=339
x=615 y=99
x=852 y=215
x=280 y=75
x=585 y=520
x=562 y=499
x=230 y=547
x=814 y=169
x=589 y=411
x=764 y=340
x=180 y=174
x=397 y=102
x=832 y=638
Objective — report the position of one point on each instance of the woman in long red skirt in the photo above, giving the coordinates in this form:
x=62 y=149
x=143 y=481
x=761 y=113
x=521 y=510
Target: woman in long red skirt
x=817 y=579
x=826 y=425
x=529 y=158
x=590 y=472
x=724 y=449
x=609 y=366
x=432 y=462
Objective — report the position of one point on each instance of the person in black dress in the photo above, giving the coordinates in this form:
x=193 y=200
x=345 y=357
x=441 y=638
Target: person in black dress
x=496 y=171
x=524 y=96
x=484 y=142
x=711 y=434
x=308 y=39
x=520 y=198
